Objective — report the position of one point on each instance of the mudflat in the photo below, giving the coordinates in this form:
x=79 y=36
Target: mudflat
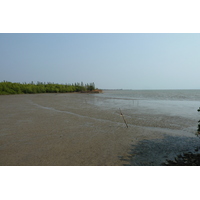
x=72 y=130
x=60 y=130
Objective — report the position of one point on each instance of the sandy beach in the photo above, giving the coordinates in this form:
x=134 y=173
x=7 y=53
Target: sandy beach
x=71 y=130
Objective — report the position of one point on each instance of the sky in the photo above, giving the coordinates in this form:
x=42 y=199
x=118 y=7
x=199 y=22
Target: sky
x=110 y=60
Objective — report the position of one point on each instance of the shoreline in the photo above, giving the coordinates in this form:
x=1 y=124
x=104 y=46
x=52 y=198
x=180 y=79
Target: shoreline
x=76 y=129
x=85 y=92
x=93 y=91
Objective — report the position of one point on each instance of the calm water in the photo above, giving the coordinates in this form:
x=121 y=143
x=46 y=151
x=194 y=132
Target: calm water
x=183 y=103
x=180 y=95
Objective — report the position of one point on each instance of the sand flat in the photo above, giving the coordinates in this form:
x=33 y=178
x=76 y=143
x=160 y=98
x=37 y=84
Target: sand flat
x=59 y=129
x=76 y=129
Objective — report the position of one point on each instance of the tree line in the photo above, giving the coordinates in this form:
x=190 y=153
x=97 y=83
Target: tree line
x=40 y=87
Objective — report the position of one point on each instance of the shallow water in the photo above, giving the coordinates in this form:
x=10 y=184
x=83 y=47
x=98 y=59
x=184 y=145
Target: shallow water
x=183 y=103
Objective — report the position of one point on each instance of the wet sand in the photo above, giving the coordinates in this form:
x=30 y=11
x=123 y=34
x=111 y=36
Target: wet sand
x=70 y=130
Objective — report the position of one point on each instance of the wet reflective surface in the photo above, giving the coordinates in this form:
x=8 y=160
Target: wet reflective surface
x=157 y=151
x=174 y=112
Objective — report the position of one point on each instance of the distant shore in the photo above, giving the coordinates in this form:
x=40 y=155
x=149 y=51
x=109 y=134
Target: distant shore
x=93 y=91
x=40 y=87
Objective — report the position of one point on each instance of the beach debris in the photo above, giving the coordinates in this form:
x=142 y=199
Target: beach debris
x=198 y=109
x=123 y=117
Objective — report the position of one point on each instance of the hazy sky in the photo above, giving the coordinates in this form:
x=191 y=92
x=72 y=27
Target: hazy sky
x=112 y=61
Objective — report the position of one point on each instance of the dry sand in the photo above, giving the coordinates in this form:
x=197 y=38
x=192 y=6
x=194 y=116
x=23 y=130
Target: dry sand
x=66 y=130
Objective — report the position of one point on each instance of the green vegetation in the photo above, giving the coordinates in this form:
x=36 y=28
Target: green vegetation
x=31 y=88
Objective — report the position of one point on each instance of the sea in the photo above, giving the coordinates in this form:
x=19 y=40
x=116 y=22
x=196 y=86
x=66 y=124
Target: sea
x=183 y=103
